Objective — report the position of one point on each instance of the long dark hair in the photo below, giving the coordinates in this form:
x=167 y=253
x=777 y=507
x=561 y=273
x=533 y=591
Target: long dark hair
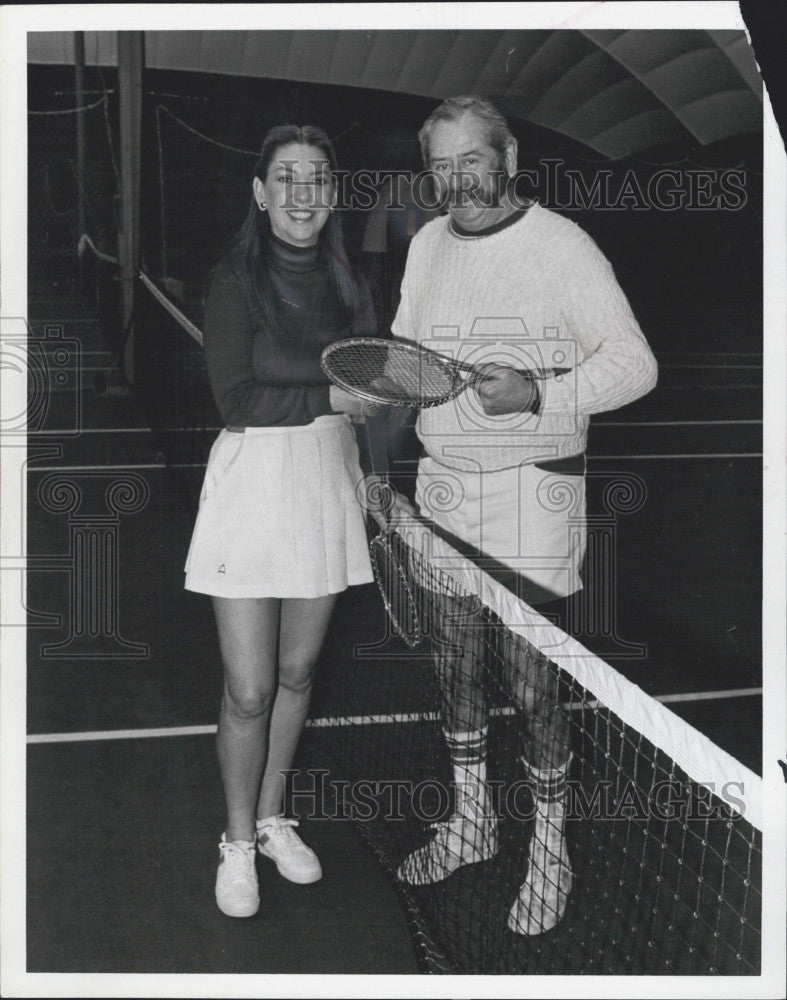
x=251 y=242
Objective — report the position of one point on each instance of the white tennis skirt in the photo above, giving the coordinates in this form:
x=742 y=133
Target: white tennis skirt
x=279 y=514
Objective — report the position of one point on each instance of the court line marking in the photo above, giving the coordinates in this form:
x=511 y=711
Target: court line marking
x=732 y=386
x=64 y=467
x=95 y=430
x=352 y=720
x=732 y=454
x=99 y=364
x=708 y=354
x=595 y=423
x=36 y=324
x=590 y=458
x=669 y=423
x=720 y=366
x=120 y=467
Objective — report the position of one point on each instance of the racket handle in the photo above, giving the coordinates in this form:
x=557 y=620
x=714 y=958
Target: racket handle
x=377 y=440
x=540 y=374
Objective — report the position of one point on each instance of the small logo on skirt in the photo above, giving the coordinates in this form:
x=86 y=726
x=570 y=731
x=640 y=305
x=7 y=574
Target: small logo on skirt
x=221 y=569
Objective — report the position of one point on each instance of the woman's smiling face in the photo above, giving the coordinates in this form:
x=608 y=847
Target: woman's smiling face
x=298 y=193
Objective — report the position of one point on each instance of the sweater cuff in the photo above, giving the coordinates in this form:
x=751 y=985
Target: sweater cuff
x=318 y=401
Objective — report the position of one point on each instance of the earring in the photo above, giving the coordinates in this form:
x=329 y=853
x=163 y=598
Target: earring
x=262 y=206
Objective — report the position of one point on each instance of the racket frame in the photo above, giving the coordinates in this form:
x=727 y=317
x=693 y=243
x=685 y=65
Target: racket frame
x=381 y=548
x=453 y=368
x=390 y=575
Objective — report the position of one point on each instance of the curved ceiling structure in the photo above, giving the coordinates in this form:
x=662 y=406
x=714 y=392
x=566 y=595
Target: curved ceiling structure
x=616 y=91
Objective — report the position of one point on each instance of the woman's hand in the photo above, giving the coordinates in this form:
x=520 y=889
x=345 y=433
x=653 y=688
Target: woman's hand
x=347 y=402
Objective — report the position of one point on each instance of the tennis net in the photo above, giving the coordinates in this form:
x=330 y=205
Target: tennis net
x=610 y=837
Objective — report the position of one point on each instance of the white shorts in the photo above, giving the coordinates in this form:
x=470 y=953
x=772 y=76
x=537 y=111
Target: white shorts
x=529 y=520
x=278 y=514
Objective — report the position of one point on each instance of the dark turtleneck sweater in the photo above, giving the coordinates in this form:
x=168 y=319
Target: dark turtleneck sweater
x=262 y=381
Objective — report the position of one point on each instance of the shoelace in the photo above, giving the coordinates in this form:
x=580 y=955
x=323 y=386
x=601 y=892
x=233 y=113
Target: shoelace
x=230 y=849
x=229 y=846
x=286 y=835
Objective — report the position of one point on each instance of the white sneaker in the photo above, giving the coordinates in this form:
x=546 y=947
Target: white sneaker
x=277 y=840
x=237 y=889
x=459 y=841
x=544 y=894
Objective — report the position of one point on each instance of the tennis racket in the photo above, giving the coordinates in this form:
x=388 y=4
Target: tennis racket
x=402 y=373
x=388 y=555
x=394 y=580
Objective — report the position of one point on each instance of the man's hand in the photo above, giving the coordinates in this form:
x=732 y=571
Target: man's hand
x=504 y=390
x=402 y=505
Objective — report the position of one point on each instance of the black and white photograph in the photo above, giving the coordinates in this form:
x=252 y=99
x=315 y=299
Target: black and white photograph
x=393 y=457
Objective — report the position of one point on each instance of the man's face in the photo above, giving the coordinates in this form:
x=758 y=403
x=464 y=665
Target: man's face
x=469 y=170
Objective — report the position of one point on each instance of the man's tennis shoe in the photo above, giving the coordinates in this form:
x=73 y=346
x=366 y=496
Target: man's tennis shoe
x=237 y=889
x=543 y=895
x=461 y=840
x=277 y=840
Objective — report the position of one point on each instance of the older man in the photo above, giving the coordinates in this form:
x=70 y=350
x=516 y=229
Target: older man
x=526 y=292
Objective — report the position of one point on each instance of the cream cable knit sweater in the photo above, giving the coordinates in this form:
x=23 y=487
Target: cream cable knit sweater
x=537 y=294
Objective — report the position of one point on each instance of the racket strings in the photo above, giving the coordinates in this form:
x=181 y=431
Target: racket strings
x=392 y=574
x=392 y=373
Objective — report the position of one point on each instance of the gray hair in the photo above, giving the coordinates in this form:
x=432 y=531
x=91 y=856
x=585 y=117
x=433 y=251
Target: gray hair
x=454 y=108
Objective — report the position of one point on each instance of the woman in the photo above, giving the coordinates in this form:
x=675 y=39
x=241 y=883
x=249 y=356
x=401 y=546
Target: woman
x=279 y=532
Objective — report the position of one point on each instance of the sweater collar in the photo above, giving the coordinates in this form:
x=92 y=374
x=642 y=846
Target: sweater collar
x=466 y=234
x=292 y=258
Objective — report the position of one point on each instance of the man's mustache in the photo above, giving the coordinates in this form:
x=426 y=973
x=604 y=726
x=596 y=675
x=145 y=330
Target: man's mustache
x=469 y=190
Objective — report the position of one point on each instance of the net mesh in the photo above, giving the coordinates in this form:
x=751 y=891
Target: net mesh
x=537 y=811
x=202 y=188
x=171 y=379
x=57 y=184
